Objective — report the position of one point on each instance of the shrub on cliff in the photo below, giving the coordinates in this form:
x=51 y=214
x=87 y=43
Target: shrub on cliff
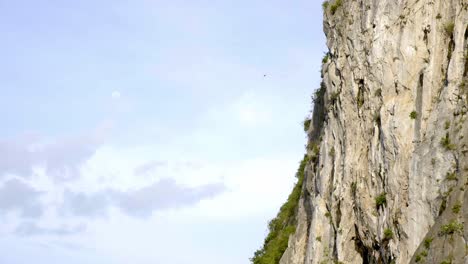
x=380 y=200
x=451 y=228
x=306 y=124
x=282 y=226
x=335 y=6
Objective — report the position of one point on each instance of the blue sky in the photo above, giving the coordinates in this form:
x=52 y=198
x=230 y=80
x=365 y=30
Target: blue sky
x=145 y=131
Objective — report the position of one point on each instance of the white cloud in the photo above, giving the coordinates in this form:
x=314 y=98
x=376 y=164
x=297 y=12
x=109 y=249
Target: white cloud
x=253 y=185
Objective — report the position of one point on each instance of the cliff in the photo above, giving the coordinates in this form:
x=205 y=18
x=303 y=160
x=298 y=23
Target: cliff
x=386 y=169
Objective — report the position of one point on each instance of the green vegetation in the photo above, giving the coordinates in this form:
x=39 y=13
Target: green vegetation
x=427 y=242
x=449 y=28
x=451 y=176
x=451 y=228
x=306 y=124
x=319 y=238
x=456 y=208
x=380 y=200
x=388 y=234
x=335 y=6
x=420 y=256
x=325 y=5
x=446 y=143
x=325 y=58
x=447 y=125
x=413 y=115
x=447 y=261
x=282 y=226
x=315 y=149
x=439 y=16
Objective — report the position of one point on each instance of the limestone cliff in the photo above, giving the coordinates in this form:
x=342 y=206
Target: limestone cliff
x=387 y=167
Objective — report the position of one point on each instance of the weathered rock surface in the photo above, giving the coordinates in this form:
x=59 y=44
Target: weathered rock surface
x=388 y=141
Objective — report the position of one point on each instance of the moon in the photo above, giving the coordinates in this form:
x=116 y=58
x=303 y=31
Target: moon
x=115 y=94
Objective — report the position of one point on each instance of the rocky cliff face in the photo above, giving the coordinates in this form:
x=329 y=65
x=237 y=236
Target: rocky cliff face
x=387 y=173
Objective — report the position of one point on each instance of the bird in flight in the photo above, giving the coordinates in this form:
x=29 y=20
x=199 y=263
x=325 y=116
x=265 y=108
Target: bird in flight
x=264 y=75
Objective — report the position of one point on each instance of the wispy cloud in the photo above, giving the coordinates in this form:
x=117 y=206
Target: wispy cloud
x=32 y=229
x=15 y=195
x=61 y=158
x=161 y=195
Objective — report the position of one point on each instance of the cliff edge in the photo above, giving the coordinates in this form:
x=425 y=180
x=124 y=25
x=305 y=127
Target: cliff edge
x=385 y=176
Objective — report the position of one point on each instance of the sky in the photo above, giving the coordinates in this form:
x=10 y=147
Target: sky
x=146 y=131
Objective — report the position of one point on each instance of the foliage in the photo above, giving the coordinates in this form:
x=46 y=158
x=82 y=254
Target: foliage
x=282 y=226
x=388 y=234
x=456 y=208
x=413 y=115
x=306 y=124
x=335 y=6
x=451 y=228
x=427 y=242
x=381 y=200
x=449 y=28
x=447 y=261
x=325 y=58
x=447 y=125
x=314 y=149
x=446 y=142
x=451 y=176
x=325 y=5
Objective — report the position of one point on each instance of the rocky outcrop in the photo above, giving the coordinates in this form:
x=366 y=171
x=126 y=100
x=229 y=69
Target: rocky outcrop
x=387 y=176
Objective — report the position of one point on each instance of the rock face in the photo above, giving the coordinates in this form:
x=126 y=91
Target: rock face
x=387 y=176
